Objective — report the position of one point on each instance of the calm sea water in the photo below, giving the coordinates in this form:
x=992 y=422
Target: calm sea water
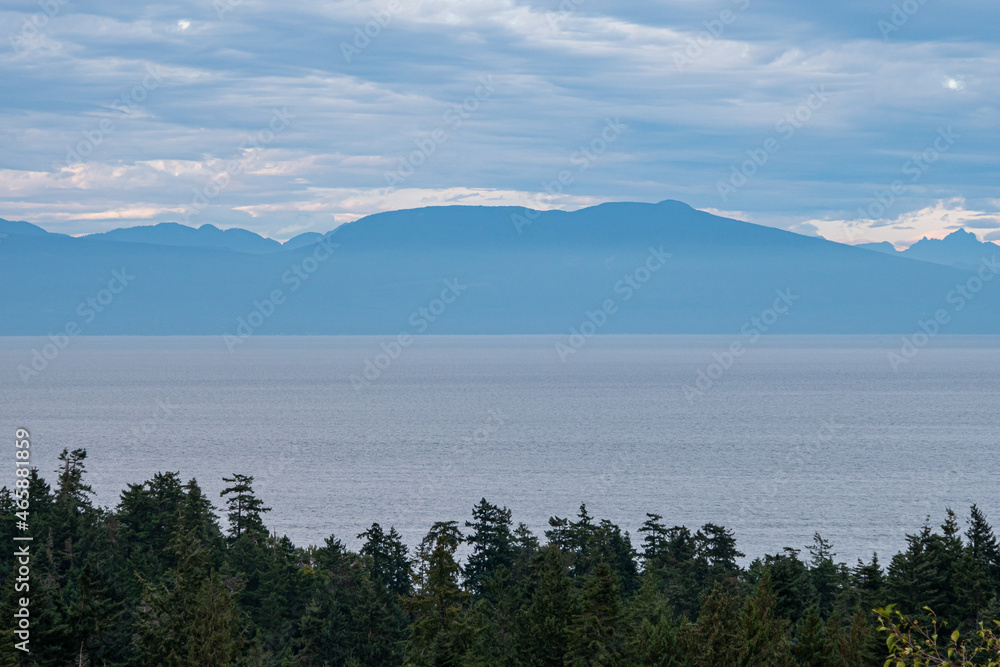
x=798 y=435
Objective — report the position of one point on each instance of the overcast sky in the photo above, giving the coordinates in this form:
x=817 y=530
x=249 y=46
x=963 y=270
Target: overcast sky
x=283 y=117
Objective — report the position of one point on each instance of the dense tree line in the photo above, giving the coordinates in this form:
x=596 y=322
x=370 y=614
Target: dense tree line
x=157 y=580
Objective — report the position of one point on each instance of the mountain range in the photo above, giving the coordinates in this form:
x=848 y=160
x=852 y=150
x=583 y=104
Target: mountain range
x=960 y=249
x=612 y=268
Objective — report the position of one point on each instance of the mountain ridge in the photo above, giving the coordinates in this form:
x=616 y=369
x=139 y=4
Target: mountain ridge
x=960 y=249
x=482 y=270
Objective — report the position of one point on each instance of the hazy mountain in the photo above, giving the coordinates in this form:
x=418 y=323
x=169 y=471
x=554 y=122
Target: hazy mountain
x=206 y=236
x=960 y=249
x=20 y=227
x=308 y=238
x=884 y=246
x=394 y=272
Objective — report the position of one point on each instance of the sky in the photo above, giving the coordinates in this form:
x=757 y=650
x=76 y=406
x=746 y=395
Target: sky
x=859 y=120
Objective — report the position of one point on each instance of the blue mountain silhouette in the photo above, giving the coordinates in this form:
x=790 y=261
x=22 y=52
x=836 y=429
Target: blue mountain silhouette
x=517 y=271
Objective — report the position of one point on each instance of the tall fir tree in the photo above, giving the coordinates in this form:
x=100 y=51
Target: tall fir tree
x=492 y=545
x=439 y=631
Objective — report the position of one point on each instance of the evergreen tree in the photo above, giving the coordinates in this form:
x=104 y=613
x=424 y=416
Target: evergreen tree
x=655 y=542
x=867 y=581
x=494 y=621
x=245 y=508
x=596 y=634
x=828 y=578
x=978 y=581
x=790 y=580
x=542 y=636
x=764 y=635
x=814 y=647
x=716 y=638
x=586 y=544
x=492 y=545
x=439 y=631
x=716 y=548
x=655 y=632
x=921 y=576
x=192 y=619
x=390 y=565
x=200 y=517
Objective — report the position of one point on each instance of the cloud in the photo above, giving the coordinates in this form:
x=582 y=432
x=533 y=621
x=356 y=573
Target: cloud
x=931 y=222
x=557 y=77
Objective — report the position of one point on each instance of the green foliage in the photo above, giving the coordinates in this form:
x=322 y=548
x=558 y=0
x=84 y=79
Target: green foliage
x=245 y=508
x=492 y=545
x=192 y=618
x=596 y=634
x=439 y=631
x=156 y=581
x=927 y=643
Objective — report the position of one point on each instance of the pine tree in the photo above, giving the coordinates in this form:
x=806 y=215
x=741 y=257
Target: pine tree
x=791 y=582
x=71 y=488
x=654 y=543
x=244 y=507
x=867 y=583
x=764 y=635
x=192 y=618
x=492 y=545
x=921 y=576
x=596 y=634
x=716 y=638
x=439 y=628
x=716 y=548
x=390 y=565
x=828 y=578
x=494 y=621
x=586 y=544
x=859 y=643
x=654 y=630
x=980 y=568
x=200 y=517
x=542 y=638
x=814 y=647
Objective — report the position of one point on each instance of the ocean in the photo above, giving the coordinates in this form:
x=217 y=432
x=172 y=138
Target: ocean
x=792 y=436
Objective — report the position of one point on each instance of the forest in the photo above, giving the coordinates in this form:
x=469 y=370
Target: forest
x=162 y=580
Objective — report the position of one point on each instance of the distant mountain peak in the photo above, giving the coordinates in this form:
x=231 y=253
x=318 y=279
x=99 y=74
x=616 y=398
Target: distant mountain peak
x=206 y=236
x=20 y=227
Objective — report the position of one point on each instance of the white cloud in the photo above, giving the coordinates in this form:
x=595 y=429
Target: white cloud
x=558 y=76
x=934 y=222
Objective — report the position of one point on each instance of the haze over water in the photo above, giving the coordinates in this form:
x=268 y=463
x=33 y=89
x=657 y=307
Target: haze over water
x=801 y=434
